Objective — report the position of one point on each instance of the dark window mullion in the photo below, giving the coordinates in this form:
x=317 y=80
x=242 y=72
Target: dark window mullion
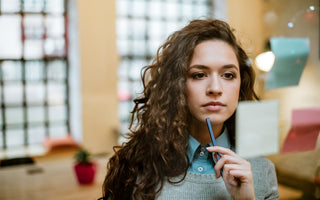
x=24 y=104
x=23 y=77
x=45 y=75
x=67 y=100
x=180 y=15
x=67 y=70
x=130 y=40
x=46 y=98
x=147 y=27
x=3 y=110
x=210 y=5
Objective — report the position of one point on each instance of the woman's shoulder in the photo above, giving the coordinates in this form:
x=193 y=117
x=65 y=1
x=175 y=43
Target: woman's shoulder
x=264 y=178
x=261 y=164
x=260 y=161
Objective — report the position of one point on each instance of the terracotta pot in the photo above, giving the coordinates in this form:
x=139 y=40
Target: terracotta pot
x=85 y=173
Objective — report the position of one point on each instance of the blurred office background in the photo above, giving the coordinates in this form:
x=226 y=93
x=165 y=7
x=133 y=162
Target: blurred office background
x=72 y=67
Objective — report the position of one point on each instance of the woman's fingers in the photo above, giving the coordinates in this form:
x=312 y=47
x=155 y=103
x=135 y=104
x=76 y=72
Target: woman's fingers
x=221 y=150
x=241 y=172
x=219 y=158
x=230 y=163
x=221 y=163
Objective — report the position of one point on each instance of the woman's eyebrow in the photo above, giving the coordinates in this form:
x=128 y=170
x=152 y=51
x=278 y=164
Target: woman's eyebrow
x=199 y=66
x=228 y=66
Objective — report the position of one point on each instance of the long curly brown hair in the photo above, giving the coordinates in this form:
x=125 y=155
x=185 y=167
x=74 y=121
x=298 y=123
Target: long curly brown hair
x=157 y=147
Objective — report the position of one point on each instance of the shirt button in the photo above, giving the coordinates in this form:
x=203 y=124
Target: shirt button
x=200 y=169
x=201 y=153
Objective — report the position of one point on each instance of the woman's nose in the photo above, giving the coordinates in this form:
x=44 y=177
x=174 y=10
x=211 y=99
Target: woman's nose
x=214 y=86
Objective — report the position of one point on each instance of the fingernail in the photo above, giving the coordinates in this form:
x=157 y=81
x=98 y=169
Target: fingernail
x=209 y=148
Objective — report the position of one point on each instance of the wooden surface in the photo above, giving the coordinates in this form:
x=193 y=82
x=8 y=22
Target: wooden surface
x=52 y=178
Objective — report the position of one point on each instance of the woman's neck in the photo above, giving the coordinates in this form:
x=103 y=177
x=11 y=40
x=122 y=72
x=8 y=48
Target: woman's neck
x=200 y=132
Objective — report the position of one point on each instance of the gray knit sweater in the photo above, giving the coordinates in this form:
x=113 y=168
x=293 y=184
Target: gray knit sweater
x=207 y=187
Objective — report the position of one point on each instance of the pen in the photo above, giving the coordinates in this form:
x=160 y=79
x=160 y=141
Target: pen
x=213 y=139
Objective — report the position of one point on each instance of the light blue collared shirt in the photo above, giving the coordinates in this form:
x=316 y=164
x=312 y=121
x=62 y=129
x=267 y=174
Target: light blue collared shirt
x=201 y=160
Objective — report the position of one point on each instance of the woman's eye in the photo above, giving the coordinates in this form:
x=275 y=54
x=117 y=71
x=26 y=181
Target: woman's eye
x=229 y=76
x=198 y=75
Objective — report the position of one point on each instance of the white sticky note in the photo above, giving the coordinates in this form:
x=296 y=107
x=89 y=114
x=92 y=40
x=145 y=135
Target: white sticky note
x=257 y=128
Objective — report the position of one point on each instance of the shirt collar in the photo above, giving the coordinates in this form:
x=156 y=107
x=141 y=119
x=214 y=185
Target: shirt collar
x=222 y=140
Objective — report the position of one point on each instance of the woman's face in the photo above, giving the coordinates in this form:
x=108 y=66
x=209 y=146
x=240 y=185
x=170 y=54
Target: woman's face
x=213 y=82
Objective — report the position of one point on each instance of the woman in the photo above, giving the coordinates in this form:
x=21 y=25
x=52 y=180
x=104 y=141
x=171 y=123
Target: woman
x=199 y=72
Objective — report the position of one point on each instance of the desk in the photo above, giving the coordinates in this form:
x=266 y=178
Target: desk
x=49 y=180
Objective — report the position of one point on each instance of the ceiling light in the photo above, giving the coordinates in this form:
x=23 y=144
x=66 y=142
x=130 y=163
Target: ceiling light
x=265 y=61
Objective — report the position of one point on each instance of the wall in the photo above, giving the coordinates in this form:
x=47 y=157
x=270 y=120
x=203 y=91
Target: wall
x=98 y=61
x=245 y=17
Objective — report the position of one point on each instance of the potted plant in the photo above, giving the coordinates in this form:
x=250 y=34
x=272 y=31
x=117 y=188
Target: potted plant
x=84 y=167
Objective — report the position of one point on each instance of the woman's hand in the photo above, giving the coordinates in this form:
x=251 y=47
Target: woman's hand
x=237 y=174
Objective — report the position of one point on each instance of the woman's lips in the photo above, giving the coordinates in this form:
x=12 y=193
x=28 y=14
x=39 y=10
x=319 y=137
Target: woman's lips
x=214 y=106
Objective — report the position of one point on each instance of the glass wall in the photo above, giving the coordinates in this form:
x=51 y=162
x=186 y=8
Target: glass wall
x=142 y=26
x=33 y=72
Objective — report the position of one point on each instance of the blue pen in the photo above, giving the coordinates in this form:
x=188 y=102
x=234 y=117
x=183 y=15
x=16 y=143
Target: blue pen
x=213 y=139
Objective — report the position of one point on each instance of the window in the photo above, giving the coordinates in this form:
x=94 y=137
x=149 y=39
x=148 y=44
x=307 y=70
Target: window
x=33 y=72
x=142 y=26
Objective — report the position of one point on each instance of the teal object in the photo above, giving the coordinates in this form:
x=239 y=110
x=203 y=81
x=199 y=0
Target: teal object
x=291 y=55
